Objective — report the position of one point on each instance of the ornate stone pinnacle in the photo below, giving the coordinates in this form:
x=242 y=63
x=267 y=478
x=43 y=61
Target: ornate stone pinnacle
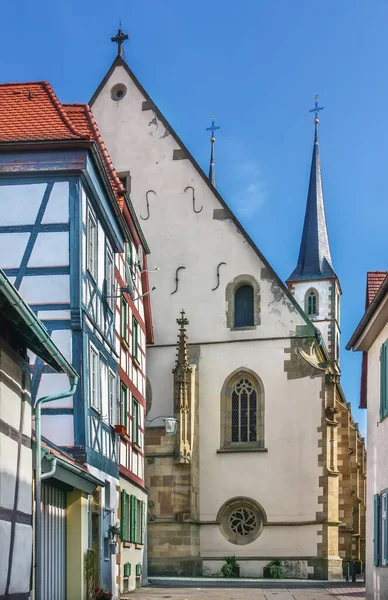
x=182 y=356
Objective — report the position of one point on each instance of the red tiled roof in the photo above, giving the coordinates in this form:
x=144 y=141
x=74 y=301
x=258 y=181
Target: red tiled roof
x=32 y=112
x=83 y=119
x=374 y=281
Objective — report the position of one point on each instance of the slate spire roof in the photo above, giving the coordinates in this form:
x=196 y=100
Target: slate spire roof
x=314 y=261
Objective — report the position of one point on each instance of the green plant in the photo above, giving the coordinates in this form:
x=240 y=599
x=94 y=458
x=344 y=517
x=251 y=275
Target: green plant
x=230 y=568
x=275 y=569
x=114 y=531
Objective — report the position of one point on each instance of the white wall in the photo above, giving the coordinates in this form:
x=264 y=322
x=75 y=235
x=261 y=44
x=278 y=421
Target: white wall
x=377 y=467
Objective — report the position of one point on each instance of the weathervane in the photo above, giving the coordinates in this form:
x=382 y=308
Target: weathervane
x=119 y=39
x=213 y=128
x=316 y=109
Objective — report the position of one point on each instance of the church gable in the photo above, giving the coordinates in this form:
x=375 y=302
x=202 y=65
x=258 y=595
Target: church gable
x=204 y=254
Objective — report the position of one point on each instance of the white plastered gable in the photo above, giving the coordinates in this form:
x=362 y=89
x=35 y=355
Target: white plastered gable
x=189 y=240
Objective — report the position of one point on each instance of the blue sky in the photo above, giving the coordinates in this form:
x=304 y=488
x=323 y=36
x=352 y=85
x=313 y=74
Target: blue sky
x=257 y=64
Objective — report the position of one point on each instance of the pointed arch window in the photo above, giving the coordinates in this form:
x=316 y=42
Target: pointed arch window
x=243 y=306
x=242 y=411
x=312 y=303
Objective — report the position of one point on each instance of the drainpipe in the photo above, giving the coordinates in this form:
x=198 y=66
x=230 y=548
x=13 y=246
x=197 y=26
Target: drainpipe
x=38 y=480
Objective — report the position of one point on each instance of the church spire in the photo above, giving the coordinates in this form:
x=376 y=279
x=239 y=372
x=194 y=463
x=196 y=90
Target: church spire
x=212 y=170
x=314 y=261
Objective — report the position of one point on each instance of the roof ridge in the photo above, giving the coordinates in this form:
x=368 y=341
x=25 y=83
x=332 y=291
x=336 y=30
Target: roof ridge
x=59 y=106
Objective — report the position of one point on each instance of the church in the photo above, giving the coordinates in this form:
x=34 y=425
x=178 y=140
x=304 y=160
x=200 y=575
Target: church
x=268 y=463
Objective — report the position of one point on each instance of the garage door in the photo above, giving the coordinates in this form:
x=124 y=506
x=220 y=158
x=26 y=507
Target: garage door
x=53 y=543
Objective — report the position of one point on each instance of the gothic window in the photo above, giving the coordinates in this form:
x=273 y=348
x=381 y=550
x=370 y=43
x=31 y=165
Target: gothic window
x=241 y=520
x=243 y=306
x=311 y=301
x=242 y=412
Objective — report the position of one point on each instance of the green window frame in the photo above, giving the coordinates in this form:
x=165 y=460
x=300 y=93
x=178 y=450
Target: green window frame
x=124 y=319
x=384 y=380
x=135 y=421
x=124 y=405
x=135 y=339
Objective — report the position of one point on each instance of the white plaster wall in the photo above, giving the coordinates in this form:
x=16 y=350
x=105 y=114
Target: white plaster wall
x=50 y=250
x=324 y=290
x=132 y=554
x=12 y=247
x=19 y=203
x=377 y=467
x=60 y=431
x=41 y=289
x=57 y=210
x=177 y=235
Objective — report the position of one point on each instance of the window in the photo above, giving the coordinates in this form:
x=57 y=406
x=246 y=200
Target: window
x=380 y=530
x=104 y=390
x=124 y=320
x=384 y=380
x=311 y=303
x=242 y=412
x=133 y=518
x=91 y=244
x=243 y=307
x=112 y=398
x=241 y=520
x=135 y=339
x=124 y=406
x=110 y=278
x=129 y=255
x=135 y=421
x=93 y=379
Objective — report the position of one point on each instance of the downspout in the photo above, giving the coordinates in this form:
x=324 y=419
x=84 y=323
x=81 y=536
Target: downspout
x=38 y=480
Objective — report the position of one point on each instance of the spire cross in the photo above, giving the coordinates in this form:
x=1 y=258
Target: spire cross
x=183 y=320
x=119 y=39
x=316 y=108
x=213 y=128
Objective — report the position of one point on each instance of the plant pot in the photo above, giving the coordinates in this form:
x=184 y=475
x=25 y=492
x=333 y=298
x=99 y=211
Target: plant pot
x=236 y=571
x=120 y=429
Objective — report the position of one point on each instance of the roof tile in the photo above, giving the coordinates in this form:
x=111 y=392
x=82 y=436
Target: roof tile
x=375 y=279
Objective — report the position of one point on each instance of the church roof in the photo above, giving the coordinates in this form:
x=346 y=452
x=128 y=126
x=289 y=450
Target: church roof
x=314 y=261
x=149 y=103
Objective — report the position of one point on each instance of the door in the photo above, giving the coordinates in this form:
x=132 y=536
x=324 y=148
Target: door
x=53 y=543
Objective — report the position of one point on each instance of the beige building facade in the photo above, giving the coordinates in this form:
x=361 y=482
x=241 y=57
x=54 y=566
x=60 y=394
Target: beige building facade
x=256 y=469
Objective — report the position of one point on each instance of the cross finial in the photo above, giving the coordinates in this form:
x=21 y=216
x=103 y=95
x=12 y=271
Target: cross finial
x=212 y=128
x=119 y=39
x=316 y=109
x=183 y=320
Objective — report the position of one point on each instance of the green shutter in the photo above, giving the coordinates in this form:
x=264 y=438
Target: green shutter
x=127 y=570
x=376 y=539
x=124 y=405
x=123 y=515
x=135 y=421
x=137 y=517
x=135 y=339
x=143 y=521
x=124 y=319
x=138 y=569
x=133 y=520
x=384 y=380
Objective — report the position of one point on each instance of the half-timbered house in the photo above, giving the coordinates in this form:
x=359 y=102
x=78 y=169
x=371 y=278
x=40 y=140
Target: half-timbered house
x=60 y=229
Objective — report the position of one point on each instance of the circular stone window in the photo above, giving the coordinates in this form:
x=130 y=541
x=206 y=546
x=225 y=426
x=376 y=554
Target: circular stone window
x=118 y=91
x=241 y=520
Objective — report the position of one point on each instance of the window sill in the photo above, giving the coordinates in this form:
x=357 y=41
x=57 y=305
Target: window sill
x=139 y=546
x=246 y=328
x=136 y=446
x=124 y=343
x=136 y=362
x=241 y=449
x=127 y=544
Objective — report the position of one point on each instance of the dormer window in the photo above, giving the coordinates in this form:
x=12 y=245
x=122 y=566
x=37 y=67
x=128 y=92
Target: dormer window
x=312 y=303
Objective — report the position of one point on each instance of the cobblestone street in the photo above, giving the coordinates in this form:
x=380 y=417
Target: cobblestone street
x=281 y=593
